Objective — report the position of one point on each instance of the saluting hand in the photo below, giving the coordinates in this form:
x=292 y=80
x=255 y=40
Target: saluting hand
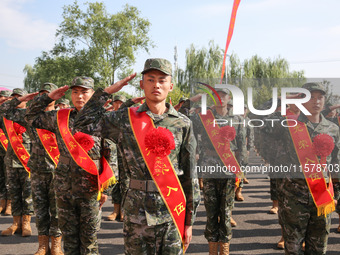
x=58 y=93
x=27 y=97
x=119 y=84
x=137 y=99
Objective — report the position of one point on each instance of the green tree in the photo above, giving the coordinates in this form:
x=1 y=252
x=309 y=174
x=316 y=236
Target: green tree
x=262 y=75
x=111 y=39
x=201 y=65
x=93 y=43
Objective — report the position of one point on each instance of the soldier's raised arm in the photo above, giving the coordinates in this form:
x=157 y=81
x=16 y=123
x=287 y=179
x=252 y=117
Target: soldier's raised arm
x=94 y=119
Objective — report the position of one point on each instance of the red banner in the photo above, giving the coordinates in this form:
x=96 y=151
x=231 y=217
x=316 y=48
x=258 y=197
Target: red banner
x=3 y=139
x=161 y=170
x=18 y=148
x=80 y=156
x=49 y=142
x=230 y=33
x=322 y=195
x=222 y=148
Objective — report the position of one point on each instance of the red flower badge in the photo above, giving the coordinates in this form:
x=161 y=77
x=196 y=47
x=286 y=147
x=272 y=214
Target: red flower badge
x=227 y=133
x=18 y=128
x=86 y=141
x=323 y=145
x=160 y=141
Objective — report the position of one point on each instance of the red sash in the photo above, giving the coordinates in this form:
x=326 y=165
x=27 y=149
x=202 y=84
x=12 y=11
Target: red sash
x=161 y=170
x=18 y=148
x=222 y=148
x=49 y=142
x=322 y=195
x=80 y=156
x=3 y=139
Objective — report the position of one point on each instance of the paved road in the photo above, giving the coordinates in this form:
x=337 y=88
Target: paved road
x=257 y=231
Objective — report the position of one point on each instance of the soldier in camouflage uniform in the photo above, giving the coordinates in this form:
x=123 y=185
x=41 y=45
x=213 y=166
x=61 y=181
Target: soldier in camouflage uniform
x=5 y=203
x=18 y=181
x=331 y=114
x=148 y=225
x=42 y=174
x=219 y=189
x=297 y=210
x=62 y=103
x=118 y=100
x=76 y=190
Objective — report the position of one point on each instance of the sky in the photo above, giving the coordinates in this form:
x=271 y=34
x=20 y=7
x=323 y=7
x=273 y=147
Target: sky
x=304 y=32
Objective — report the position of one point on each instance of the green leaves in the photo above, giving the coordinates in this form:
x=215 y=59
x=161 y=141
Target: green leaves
x=92 y=42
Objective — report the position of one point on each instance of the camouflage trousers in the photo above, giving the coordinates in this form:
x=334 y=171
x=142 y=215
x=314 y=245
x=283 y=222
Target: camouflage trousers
x=300 y=223
x=336 y=190
x=116 y=194
x=273 y=189
x=79 y=221
x=218 y=201
x=19 y=190
x=44 y=202
x=140 y=239
x=3 y=187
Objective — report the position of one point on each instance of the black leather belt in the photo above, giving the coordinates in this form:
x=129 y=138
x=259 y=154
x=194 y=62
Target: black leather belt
x=68 y=160
x=145 y=185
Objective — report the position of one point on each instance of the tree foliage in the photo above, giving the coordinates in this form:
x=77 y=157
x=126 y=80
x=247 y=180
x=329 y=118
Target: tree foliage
x=201 y=65
x=92 y=42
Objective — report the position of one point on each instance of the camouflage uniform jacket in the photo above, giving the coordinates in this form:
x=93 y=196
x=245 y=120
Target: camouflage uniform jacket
x=11 y=159
x=144 y=207
x=83 y=184
x=288 y=156
x=39 y=160
x=208 y=155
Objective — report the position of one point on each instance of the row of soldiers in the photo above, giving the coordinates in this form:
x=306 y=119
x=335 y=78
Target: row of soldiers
x=62 y=163
x=161 y=152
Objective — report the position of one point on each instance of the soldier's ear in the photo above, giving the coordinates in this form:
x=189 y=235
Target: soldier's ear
x=141 y=85
x=171 y=87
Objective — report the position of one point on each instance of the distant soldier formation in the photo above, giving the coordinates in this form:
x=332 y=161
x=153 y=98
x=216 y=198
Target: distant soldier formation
x=155 y=160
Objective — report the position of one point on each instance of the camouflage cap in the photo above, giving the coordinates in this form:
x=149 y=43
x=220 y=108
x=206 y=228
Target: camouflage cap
x=182 y=99
x=83 y=81
x=314 y=86
x=5 y=93
x=63 y=101
x=49 y=87
x=159 y=64
x=18 y=91
x=119 y=98
x=222 y=90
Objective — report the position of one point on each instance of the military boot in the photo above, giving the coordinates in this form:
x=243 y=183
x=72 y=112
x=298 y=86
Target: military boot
x=224 y=248
x=275 y=207
x=116 y=212
x=281 y=244
x=16 y=227
x=44 y=248
x=121 y=215
x=213 y=248
x=233 y=222
x=56 y=246
x=2 y=205
x=26 y=225
x=8 y=208
x=238 y=194
x=200 y=181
